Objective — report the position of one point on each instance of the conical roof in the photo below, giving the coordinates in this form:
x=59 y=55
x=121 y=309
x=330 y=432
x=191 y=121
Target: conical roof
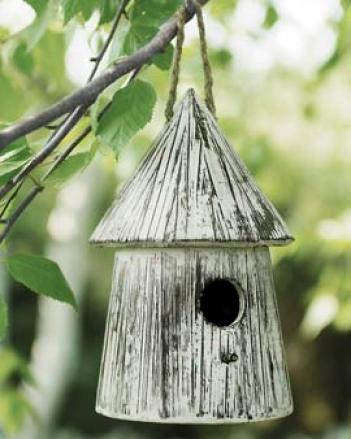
x=191 y=189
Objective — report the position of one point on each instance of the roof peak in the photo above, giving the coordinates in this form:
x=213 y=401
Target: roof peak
x=191 y=97
x=191 y=189
x=191 y=92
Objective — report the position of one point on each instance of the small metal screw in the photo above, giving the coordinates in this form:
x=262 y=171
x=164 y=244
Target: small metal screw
x=229 y=358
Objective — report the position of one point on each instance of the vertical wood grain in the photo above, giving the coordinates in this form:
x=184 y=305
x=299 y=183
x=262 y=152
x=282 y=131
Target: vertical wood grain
x=162 y=361
x=191 y=187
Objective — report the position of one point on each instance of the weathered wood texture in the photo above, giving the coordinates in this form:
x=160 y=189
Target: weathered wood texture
x=191 y=188
x=162 y=361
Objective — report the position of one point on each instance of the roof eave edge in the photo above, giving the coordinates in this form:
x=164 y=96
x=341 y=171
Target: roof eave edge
x=192 y=244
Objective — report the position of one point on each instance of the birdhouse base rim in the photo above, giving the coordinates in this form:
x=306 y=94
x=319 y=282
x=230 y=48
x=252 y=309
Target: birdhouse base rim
x=194 y=419
x=191 y=243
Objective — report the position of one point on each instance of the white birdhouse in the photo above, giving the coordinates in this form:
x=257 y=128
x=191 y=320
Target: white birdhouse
x=193 y=333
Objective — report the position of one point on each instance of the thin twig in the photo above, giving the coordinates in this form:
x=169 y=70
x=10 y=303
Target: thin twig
x=51 y=145
x=51 y=127
x=18 y=211
x=134 y=62
x=66 y=126
x=21 y=177
x=10 y=199
x=80 y=138
x=98 y=59
x=87 y=94
x=12 y=219
x=10 y=222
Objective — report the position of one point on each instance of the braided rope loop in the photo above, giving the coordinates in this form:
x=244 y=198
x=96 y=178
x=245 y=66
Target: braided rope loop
x=172 y=97
x=208 y=78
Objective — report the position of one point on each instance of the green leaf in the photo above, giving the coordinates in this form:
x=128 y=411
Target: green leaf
x=116 y=49
x=221 y=57
x=14 y=409
x=222 y=9
x=153 y=12
x=34 y=32
x=69 y=167
x=3 y=317
x=130 y=110
x=87 y=7
x=49 y=66
x=70 y=9
x=137 y=36
x=22 y=59
x=271 y=17
x=331 y=62
x=108 y=10
x=38 y=5
x=12 y=99
x=164 y=60
x=42 y=276
x=11 y=363
x=9 y=168
x=4 y=34
x=145 y=19
x=101 y=102
x=13 y=158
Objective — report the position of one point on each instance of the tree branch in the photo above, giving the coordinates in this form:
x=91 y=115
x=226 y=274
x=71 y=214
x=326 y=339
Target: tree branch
x=159 y=42
x=86 y=95
x=65 y=127
x=36 y=190
x=27 y=200
x=51 y=145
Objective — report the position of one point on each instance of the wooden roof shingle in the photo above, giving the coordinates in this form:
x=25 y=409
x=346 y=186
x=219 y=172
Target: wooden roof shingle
x=191 y=189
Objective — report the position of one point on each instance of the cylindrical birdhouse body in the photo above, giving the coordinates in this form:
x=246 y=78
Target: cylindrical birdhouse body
x=193 y=336
x=193 y=333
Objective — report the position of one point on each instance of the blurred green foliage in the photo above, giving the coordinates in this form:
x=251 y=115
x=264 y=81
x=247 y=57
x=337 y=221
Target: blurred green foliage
x=291 y=128
x=14 y=407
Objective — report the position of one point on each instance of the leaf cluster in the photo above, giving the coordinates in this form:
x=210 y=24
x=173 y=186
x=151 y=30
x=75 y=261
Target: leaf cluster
x=114 y=120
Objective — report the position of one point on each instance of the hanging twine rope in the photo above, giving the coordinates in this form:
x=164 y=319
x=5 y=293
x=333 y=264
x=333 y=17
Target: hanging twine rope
x=172 y=96
x=208 y=78
x=209 y=100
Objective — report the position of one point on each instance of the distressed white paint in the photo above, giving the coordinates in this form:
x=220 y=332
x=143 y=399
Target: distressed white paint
x=162 y=361
x=191 y=188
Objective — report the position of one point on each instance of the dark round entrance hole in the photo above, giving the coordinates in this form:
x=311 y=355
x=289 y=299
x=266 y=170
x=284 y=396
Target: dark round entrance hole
x=220 y=302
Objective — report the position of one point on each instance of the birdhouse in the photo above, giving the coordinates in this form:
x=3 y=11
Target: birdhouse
x=193 y=332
